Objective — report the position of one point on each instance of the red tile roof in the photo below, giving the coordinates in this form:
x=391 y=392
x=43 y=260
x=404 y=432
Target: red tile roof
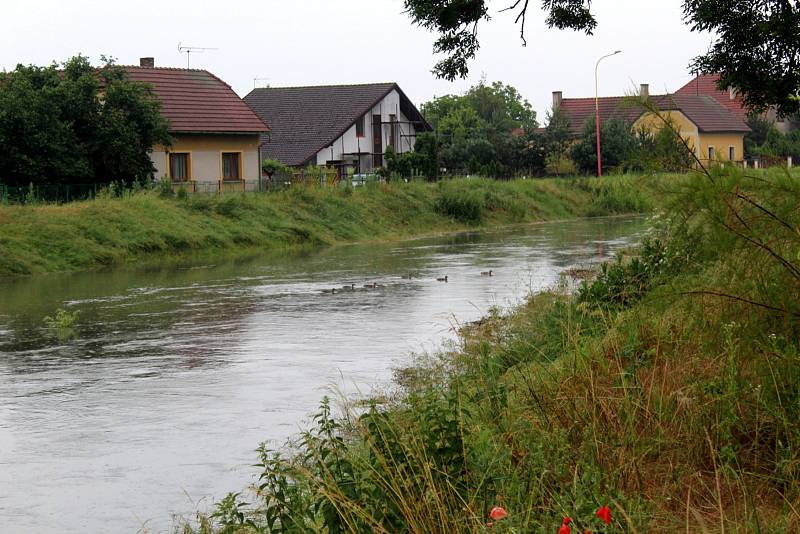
x=705 y=112
x=706 y=85
x=196 y=101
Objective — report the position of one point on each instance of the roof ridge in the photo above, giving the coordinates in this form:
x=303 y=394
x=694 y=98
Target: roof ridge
x=162 y=68
x=325 y=86
x=591 y=98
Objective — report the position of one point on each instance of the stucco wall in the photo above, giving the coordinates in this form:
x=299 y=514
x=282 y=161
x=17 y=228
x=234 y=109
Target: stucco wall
x=206 y=155
x=722 y=142
x=349 y=143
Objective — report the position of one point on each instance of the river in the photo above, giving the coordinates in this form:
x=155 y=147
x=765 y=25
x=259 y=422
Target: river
x=175 y=373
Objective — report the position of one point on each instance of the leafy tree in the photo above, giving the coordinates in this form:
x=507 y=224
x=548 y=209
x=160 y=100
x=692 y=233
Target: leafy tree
x=757 y=46
x=456 y=22
x=494 y=108
x=475 y=131
x=757 y=49
x=618 y=146
x=76 y=124
x=777 y=144
x=760 y=128
x=422 y=161
x=501 y=107
x=660 y=150
x=556 y=141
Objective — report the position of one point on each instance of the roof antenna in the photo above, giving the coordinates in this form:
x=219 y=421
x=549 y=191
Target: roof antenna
x=189 y=50
x=256 y=80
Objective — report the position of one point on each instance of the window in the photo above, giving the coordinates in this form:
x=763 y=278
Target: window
x=710 y=152
x=732 y=153
x=360 y=127
x=231 y=165
x=179 y=166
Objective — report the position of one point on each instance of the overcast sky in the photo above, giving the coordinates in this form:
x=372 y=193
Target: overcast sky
x=310 y=42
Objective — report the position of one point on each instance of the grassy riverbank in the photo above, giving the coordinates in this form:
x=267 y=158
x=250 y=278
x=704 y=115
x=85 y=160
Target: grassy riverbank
x=108 y=231
x=668 y=389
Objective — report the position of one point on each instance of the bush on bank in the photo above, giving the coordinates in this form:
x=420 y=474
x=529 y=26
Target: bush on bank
x=108 y=231
x=666 y=389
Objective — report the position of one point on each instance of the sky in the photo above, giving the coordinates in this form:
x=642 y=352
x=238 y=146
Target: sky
x=320 y=42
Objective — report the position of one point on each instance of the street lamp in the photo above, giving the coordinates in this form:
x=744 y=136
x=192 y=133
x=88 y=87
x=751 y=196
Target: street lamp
x=597 y=110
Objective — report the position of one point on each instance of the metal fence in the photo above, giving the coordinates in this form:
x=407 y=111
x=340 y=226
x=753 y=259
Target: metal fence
x=57 y=193
x=63 y=193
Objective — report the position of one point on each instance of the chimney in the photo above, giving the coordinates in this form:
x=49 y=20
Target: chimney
x=147 y=62
x=557 y=95
x=644 y=90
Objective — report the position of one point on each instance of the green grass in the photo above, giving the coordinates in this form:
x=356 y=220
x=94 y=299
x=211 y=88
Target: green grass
x=110 y=231
x=667 y=388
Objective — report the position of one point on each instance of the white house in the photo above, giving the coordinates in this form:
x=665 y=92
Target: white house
x=346 y=126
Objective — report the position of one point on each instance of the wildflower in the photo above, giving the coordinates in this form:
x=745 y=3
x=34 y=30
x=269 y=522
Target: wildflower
x=604 y=513
x=498 y=513
x=565 y=526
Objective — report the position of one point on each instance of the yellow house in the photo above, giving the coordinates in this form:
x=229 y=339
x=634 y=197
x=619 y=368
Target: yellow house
x=217 y=137
x=709 y=129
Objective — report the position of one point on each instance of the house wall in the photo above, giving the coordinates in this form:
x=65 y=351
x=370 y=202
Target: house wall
x=722 y=143
x=349 y=143
x=686 y=128
x=699 y=141
x=206 y=155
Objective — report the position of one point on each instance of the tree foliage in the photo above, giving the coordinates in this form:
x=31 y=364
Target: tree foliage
x=625 y=148
x=618 y=146
x=757 y=49
x=456 y=22
x=489 y=130
x=757 y=46
x=76 y=124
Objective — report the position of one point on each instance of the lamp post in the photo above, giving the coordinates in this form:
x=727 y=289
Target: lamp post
x=597 y=110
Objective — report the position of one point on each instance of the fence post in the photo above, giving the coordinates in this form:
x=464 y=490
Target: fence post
x=789 y=162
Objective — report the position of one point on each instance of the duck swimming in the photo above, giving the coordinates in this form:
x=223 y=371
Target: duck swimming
x=443 y=279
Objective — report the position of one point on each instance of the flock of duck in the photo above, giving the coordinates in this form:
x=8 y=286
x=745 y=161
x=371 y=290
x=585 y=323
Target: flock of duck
x=374 y=285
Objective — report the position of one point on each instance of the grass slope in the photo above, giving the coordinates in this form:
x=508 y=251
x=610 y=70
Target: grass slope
x=108 y=231
x=667 y=389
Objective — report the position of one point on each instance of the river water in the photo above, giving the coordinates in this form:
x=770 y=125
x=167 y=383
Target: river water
x=174 y=374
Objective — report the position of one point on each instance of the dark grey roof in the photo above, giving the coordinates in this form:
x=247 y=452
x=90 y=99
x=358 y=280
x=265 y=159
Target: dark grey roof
x=304 y=120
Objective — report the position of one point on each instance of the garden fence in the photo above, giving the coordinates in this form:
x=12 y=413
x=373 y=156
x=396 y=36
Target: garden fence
x=63 y=193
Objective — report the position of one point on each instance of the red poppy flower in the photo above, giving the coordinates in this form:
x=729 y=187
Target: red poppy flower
x=604 y=513
x=498 y=513
x=565 y=526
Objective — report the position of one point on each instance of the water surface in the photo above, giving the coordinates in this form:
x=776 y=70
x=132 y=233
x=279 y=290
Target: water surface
x=176 y=374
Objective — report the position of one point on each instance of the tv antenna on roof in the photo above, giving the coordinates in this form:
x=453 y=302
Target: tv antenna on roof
x=256 y=80
x=189 y=50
